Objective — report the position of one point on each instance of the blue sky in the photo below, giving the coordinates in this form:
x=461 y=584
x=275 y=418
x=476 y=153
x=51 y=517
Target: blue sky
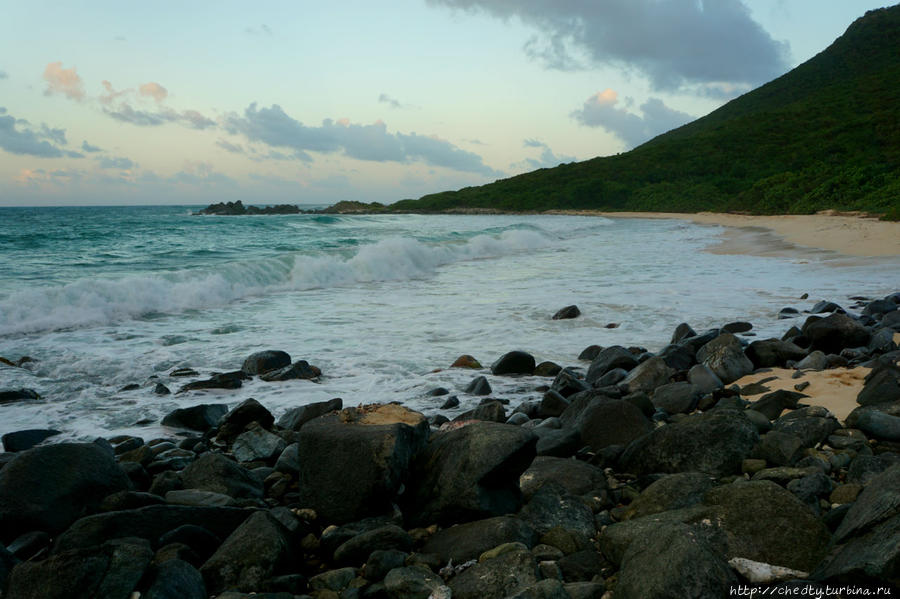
x=304 y=102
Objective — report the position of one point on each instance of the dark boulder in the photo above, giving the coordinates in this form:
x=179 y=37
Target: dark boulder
x=547 y=369
x=773 y=404
x=704 y=378
x=257 y=444
x=197 y=418
x=552 y=404
x=768 y=353
x=12 y=395
x=225 y=380
x=175 y=579
x=414 y=582
x=737 y=327
x=463 y=542
x=779 y=448
x=236 y=420
x=724 y=355
x=590 y=352
x=466 y=361
x=835 y=332
x=294 y=418
x=882 y=306
x=356 y=550
x=299 y=370
x=825 y=307
x=677 y=398
x=215 y=472
x=469 y=473
x=353 y=463
x=112 y=570
x=49 y=487
x=679 y=357
x=497 y=578
x=551 y=506
x=671 y=492
x=567 y=383
x=879 y=501
x=264 y=361
x=715 y=442
x=813 y=424
x=872 y=558
x=514 y=362
x=250 y=555
x=576 y=477
x=606 y=422
x=562 y=442
x=648 y=375
x=23 y=440
x=682 y=331
x=567 y=312
x=882 y=385
x=478 y=386
x=609 y=359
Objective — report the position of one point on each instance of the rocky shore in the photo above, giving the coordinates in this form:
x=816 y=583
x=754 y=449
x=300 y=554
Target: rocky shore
x=637 y=475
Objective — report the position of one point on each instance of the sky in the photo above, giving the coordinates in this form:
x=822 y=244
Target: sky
x=304 y=102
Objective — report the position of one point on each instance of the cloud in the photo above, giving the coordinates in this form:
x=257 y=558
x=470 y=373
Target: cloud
x=373 y=142
x=153 y=90
x=200 y=173
x=547 y=159
x=674 y=43
x=125 y=113
x=263 y=30
x=63 y=81
x=4 y=75
x=36 y=177
x=86 y=147
x=600 y=110
x=111 y=94
x=17 y=138
x=230 y=147
x=116 y=162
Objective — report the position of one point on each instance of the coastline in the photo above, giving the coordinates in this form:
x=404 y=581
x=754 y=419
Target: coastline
x=849 y=234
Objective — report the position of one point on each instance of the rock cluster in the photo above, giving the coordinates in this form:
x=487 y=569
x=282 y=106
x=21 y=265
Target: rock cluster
x=641 y=476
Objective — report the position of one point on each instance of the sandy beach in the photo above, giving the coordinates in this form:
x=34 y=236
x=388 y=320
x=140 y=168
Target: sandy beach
x=852 y=235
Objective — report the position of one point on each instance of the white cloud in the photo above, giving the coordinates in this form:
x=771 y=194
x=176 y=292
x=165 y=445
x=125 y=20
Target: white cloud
x=601 y=110
x=63 y=81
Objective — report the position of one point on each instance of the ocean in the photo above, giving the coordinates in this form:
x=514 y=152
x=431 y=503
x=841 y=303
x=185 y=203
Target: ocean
x=104 y=297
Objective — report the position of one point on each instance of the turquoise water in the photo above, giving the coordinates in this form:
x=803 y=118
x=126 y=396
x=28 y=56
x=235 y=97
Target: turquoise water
x=103 y=297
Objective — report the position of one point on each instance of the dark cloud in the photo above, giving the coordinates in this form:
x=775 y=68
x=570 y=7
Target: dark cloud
x=276 y=128
x=547 y=159
x=675 y=43
x=116 y=162
x=125 y=113
x=85 y=146
x=600 y=110
x=262 y=30
x=230 y=147
x=392 y=102
x=4 y=75
x=17 y=138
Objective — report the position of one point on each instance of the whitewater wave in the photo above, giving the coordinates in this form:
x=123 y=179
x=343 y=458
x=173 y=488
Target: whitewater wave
x=89 y=302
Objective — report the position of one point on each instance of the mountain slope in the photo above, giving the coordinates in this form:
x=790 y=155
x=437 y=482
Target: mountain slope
x=824 y=135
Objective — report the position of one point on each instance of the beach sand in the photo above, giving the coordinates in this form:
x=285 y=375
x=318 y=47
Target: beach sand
x=851 y=235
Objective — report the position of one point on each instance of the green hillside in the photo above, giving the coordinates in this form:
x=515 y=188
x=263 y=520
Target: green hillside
x=825 y=135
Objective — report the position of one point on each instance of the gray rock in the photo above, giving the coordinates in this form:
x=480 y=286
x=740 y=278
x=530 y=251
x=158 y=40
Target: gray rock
x=814 y=361
x=879 y=425
x=615 y=539
x=879 y=501
x=238 y=419
x=870 y=557
x=882 y=341
x=299 y=370
x=264 y=361
x=606 y=422
x=256 y=443
x=576 y=477
x=49 y=487
x=23 y=440
x=768 y=353
x=251 y=554
x=882 y=385
x=294 y=418
x=289 y=460
x=671 y=492
x=551 y=507
x=469 y=473
x=715 y=443
x=567 y=383
x=561 y=443
x=724 y=355
x=175 y=579
x=567 y=312
x=590 y=352
x=332 y=580
x=834 y=333
x=682 y=331
x=382 y=561
x=412 y=582
x=197 y=418
x=514 y=362
x=704 y=378
x=813 y=424
x=496 y=578
x=552 y=404
x=479 y=386
x=463 y=542
x=677 y=398
x=810 y=489
x=608 y=359
x=779 y=448
x=356 y=550
x=648 y=375
x=214 y=472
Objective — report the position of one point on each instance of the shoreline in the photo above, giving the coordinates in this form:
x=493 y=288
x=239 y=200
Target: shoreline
x=849 y=234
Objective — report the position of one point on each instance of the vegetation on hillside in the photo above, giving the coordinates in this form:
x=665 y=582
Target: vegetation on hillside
x=824 y=136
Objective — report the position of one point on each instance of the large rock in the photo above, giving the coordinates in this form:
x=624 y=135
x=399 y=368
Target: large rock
x=353 y=463
x=767 y=353
x=294 y=418
x=812 y=424
x=724 y=355
x=11 y=395
x=771 y=405
x=677 y=398
x=606 y=422
x=111 y=571
x=608 y=359
x=879 y=425
x=236 y=420
x=49 y=487
x=715 y=443
x=463 y=542
x=567 y=312
x=649 y=375
x=355 y=550
x=301 y=369
x=835 y=332
x=256 y=443
x=552 y=507
x=514 y=362
x=498 y=577
x=872 y=558
x=677 y=561
x=22 y=440
x=149 y=523
x=175 y=579
x=214 y=472
x=469 y=473
x=879 y=501
x=575 y=476
x=264 y=361
x=671 y=492
x=201 y=417
x=882 y=385
x=251 y=554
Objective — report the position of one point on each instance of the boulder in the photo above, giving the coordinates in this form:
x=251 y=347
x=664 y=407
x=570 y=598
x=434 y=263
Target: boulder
x=250 y=555
x=679 y=357
x=225 y=380
x=715 y=442
x=201 y=417
x=49 y=487
x=547 y=369
x=567 y=312
x=872 y=557
x=353 y=463
x=463 y=542
x=768 y=353
x=301 y=369
x=502 y=576
x=682 y=331
x=671 y=492
x=264 y=361
x=816 y=360
x=551 y=506
x=173 y=579
x=414 y=582
x=382 y=561
x=704 y=378
x=469 y=473
x=739 y=326
x=677 y=398
x=236 y=420
x=356 y=550
x=779 y=448
x=812 y=424
x=479 y=386
x=514 y=362
x=215 y=472
x=590 y=352
x=882 y=385
x=648 y=375
x=23 y=440
x=606 y=422
x=576 y=477
x=567 y=383
x=773 y=404
x=294 y=418
x=879 y=425
x=879 y=501
x=609 y=359
x=257 y=444
x=835 y=332
x=677 y=561
x=466 y=361
x=11 y=395
x=724 y=355
x=552 y=404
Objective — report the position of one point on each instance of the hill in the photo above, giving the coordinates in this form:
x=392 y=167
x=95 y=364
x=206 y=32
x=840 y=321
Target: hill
x=826 y=135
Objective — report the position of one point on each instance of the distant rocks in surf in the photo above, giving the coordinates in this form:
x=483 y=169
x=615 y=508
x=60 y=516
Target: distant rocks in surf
x=238 y=209
x=649 y=474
